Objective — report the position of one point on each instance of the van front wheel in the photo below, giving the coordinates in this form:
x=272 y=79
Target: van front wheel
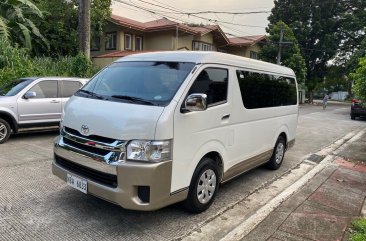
x=278 y=154
x=203 y=187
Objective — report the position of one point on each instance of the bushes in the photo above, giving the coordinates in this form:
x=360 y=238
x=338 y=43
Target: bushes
x=359 y=77
x=15 y=63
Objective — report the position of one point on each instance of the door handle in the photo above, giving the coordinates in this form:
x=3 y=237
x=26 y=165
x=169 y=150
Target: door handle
x=224 y=117
x=54 y=101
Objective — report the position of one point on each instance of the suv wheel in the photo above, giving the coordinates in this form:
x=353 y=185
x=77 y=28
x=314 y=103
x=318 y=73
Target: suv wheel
x=203 y=187
x=4 y=131
x=353 y=117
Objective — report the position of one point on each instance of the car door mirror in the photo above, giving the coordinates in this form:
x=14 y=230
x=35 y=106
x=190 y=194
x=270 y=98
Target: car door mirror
x=30 y=95
x=195 y=102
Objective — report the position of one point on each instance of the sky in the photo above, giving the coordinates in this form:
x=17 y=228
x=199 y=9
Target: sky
x=234 y=25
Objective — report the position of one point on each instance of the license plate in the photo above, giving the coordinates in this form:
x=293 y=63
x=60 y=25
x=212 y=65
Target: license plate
x=77 y=183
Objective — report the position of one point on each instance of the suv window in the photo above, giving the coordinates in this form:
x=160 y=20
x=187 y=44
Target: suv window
x=45 y=89
x=214 y=83
x=70 y=87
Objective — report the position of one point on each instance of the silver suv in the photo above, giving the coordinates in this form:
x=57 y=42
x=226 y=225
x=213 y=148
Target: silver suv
x=30 y=102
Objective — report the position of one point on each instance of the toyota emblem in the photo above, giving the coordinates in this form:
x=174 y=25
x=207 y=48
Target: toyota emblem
x=84 y=130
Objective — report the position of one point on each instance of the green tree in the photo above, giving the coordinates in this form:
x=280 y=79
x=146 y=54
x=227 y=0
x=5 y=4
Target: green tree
x=359 y=77
x=61 y=22
x=17 y=22
x=321 y=28
x=291 y=55
x=352 y=64
x=336 y=79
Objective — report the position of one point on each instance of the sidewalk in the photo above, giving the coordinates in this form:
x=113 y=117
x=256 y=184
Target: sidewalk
x=325 y=206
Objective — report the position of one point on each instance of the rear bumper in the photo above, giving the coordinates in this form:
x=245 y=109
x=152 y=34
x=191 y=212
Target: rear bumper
x=138 y=186
x=358 y=111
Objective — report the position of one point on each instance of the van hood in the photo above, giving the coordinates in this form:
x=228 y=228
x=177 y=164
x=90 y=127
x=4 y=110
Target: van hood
x=116 y=120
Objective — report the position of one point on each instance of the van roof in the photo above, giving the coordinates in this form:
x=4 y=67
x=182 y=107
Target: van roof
x=207 y=57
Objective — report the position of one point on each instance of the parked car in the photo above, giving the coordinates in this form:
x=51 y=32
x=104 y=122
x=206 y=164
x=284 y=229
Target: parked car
x=155 y=129
x=29 y=102
x=357 y=109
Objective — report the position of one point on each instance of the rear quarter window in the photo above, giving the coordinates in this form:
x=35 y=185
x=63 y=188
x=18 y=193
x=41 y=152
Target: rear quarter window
x=265 y=90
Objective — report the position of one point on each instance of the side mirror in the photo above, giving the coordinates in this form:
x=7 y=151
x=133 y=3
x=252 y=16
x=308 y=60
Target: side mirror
x=30 y=95
x=195 y=102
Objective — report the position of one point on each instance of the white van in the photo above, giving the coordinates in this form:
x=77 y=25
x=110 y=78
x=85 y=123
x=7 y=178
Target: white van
x=159 y=128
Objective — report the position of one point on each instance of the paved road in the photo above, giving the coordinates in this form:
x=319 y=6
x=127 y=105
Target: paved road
x=35 y=205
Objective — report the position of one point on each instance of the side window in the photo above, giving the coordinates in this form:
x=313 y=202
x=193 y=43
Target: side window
x=70 y=87
x=264 y=90
x=45 y=89
x=214 y=83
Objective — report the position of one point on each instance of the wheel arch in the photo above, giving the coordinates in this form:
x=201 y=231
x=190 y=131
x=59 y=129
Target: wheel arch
x=214 y=150
x=10 y=119
x=284 y=132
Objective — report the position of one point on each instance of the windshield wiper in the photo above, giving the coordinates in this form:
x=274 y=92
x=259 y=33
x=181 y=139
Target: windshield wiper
x=91 y=94
x=132 y=99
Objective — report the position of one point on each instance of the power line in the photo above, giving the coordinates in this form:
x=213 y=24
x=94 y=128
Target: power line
x=174 y=18
x=203 y=18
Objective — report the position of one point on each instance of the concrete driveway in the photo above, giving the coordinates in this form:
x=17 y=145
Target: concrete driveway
x=35 y=205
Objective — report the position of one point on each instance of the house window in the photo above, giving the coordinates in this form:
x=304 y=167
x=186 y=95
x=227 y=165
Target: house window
x=128 y=41
x=200 y=46
x=95 y=43
x=111 y=41
x=138 y=43
x=253 y=55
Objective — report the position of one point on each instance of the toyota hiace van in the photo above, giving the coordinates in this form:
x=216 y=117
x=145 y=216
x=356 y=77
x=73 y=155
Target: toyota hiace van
x=158 y=128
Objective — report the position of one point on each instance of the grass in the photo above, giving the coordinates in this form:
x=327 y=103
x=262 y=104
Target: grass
x=358 y=230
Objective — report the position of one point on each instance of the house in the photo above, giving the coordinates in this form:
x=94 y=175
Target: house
x=124 y=36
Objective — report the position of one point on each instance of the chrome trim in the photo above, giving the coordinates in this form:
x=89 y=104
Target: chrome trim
x=112 y=158
x=83 y=158
x=117 y=145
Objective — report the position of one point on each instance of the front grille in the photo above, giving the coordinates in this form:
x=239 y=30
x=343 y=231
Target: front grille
x=93 y=137
x=106 y=179
x=91 y=149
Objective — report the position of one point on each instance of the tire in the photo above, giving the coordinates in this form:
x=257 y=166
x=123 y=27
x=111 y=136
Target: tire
x=4 y=131
x=200 y=200
x=278 y=154
x=353 y=117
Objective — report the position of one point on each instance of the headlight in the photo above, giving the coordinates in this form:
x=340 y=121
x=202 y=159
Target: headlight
x=150 y=151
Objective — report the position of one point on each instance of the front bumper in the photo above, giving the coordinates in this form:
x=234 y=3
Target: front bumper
x=138 y=186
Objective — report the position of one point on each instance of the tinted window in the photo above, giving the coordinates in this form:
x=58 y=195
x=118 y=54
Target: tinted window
x=45 y=89
x=70 y=87
x=213 y=82
x=263 y=90
x=138 y=82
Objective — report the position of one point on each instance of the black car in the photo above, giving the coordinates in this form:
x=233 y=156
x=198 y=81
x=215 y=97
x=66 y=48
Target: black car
x=357 y=109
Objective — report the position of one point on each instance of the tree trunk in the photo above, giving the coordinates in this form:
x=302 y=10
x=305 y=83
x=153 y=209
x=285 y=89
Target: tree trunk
x=84 y=27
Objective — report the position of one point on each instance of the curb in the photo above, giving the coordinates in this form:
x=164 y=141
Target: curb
x=249 y=224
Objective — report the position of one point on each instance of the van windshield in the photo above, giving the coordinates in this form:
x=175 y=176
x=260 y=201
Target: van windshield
x=146 y=83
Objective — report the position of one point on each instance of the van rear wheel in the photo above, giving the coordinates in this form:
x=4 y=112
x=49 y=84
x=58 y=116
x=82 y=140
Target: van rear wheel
x=278 y=154
x=4 y=131
x=203 y=187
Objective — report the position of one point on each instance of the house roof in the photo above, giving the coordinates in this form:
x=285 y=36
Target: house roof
x=166 y=24
x=246 y=40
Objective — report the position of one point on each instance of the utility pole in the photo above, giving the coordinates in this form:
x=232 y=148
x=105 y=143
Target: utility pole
x=84 y=27
x=281 y=44
x=280 y=47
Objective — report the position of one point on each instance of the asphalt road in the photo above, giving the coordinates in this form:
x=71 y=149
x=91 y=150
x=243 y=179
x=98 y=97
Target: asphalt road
x=35 y=205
